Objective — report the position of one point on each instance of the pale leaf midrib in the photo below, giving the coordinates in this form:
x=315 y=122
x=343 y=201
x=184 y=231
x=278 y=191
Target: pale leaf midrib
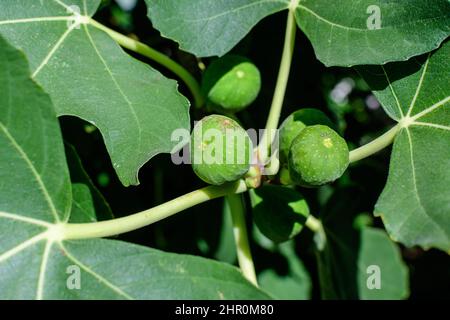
x=364 y=28
x=52 y=51
x=419 y=86
x=32 y=168
x=42 y=270
x=37 y=19
x=17 y=217
x=393 y=92
x=101 y=279
x=84 y=211
x=416 y=193
x=431 y=108
x=22 y=246
x=431 y=125
x=122 y=93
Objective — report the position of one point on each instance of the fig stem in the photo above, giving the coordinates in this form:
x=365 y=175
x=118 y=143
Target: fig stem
x=138 y=220
x=244 y=254
x=147 y=51
x=280 y=88
x=313 y=224
x=376 y=145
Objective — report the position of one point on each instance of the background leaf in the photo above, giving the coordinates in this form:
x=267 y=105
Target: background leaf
x=209 y=27
x=83 y=210
x=226 y=249
x=35 y=260
x=279 y=212
x=415 y=204
x=98 y=207
x=349 y=252
x=89 y=76
x=341 y=36
x=295 y=285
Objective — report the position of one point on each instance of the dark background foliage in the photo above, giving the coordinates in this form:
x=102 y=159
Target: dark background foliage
x=339 y=92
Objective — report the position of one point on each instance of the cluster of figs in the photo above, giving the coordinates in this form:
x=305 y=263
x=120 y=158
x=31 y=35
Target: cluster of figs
x=311 y=152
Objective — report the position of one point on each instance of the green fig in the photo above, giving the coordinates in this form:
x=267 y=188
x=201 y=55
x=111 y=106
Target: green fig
x=221 y=150
x=318 y=156
x=232 y=83
x=294 y=124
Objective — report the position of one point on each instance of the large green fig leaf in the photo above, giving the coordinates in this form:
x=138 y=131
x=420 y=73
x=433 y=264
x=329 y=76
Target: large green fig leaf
x=354 y=32
x=89 y=76
x=344 y=33
x=357 y=263
x=209 y=27
x=36 y=262
x=415 y=204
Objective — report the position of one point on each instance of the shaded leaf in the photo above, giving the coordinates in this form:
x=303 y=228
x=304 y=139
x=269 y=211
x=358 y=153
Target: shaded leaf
x=100 y=208
x=296 y=285
x=226 y=249
x=83 y=210
x=279 y=212
x=347 y=263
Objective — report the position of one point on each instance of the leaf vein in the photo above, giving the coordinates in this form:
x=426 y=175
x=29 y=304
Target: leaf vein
x=431 y=109
x=42 y=269
x=37 y=19
x=22 y=246
x=32 y=168
x=234 y=10
x=53 y=51
x=101 y=279
x=419 y=86
x=393 y=92
x=17 y=217
x=432 y=125
x=116 y=84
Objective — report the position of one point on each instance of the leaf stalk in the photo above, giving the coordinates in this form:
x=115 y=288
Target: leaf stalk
x=138 y=220
x=280 y=88
x=376 y=145
x=244 y=254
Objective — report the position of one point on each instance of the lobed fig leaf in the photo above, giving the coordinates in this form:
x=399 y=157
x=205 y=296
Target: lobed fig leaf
x=232 y=83
x=220 y=150
x=318 y=156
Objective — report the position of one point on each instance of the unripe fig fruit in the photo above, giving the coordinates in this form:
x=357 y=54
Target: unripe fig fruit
x=232 y=83
x=221 y=150
x=318 y=156
x=294 y=124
